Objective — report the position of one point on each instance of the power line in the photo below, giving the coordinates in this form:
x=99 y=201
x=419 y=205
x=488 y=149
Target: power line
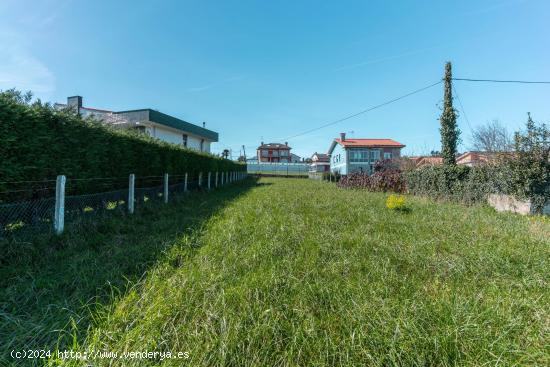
x=365 y=111
x=500 y=81
x=462 y=108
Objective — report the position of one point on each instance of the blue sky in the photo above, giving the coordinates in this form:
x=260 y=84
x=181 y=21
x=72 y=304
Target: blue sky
x=267 y=70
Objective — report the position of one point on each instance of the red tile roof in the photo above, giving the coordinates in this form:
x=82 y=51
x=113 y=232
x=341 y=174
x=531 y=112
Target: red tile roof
x=370 y=143
x=429 y=161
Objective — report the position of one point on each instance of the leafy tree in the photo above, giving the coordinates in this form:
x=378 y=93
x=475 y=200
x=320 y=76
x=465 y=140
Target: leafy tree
x=528 y=173
x=449 y=130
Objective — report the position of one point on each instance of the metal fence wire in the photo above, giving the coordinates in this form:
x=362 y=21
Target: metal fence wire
x=36 y=215
x=28 y=211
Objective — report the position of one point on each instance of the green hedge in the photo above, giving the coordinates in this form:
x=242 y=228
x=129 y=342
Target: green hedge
x=38 y=143
x=457 y=183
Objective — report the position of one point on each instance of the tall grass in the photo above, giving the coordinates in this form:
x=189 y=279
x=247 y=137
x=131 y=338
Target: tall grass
x=52 y=288
x=298 y=272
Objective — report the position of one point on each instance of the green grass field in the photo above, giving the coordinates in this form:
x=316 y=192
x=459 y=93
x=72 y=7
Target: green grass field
x=291 y=272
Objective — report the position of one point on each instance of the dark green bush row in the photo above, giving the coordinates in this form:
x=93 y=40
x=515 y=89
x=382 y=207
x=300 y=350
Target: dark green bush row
x=523 y=173
x=38 y=143
x=457 y=183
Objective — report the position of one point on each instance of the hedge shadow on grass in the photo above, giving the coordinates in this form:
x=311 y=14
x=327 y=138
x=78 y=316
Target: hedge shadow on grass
x=50 y=287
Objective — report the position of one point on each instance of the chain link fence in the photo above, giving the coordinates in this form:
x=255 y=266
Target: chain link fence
x=30 y=208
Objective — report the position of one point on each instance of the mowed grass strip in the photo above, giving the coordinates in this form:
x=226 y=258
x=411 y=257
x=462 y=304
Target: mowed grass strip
x=298 y=272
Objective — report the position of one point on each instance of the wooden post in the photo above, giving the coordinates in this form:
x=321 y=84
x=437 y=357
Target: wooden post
x=131 y=189
x=165 y=188
x=209 y=175
x=216 y=181
x=185 y=183
x=59 y=215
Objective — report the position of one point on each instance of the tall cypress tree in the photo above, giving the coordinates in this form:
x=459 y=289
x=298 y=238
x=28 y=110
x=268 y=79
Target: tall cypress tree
x=449 y=130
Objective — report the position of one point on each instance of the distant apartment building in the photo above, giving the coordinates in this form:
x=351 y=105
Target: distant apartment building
x=360 y=155
x=157 y=124
x=274 y=153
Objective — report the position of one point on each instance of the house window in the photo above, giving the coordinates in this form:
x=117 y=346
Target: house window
x=140 y=129
x=184 y=140
x=284 y=153
x=387 y=155
x=202 y=145
x=264 y=153
x=359 y=155
x=374 y=155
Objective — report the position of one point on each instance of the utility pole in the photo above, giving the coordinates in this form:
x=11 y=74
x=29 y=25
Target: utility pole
x=244 y=153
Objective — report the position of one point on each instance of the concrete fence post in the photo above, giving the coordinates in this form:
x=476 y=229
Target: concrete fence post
x=131 y=192
x=209 y=175
x=216 y=180
x=185 y=183
x=59 y=215
x=165 y=194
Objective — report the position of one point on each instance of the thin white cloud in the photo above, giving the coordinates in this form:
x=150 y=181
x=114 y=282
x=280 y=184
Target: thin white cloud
x=382 y=59
x=22 y=70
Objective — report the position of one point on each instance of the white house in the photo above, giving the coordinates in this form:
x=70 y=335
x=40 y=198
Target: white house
x=319 y=163
x=157 y=124
x=360 y=155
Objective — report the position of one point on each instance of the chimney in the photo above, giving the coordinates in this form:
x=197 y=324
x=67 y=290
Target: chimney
x=262 y=143
x=203 y=124
x=74 y=102
x=342 y=136
x=286 y=143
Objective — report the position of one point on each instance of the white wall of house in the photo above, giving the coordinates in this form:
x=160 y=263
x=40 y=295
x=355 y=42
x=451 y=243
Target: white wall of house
x=175 y=136
x=339 y=160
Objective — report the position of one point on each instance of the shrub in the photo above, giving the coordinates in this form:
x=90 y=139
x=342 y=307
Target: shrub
x=528 y=169
x=329 y=176
x=524 y=173
x=395 y=202
x=456 y=183
x=384 y=181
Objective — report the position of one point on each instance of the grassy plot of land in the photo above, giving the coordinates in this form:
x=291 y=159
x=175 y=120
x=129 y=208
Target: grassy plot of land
x=298 y=272
x=52 y=287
